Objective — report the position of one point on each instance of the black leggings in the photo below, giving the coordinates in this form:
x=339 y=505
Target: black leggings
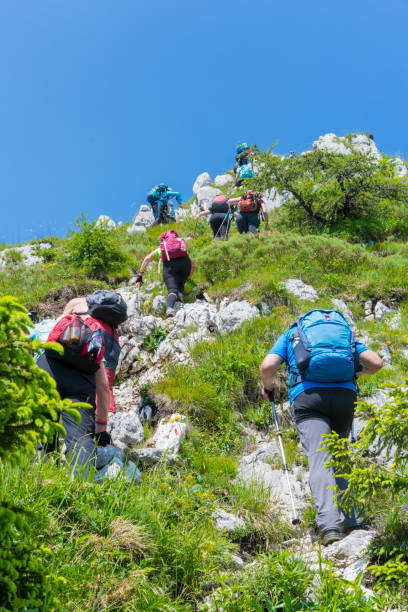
x=220 y=223
x=175 y=274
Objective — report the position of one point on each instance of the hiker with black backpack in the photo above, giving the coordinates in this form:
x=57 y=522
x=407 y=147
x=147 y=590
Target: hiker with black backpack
x=221 y=213
x=80 y=374
x=104 y=303
x=177 y=267
x=250 y=206
x=159 y=199
x=323 y=358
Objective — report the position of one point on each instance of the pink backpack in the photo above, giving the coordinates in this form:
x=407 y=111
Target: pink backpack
x=171 y=246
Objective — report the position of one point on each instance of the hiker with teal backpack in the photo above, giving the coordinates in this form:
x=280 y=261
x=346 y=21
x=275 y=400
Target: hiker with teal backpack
x=242 y=168
x=323 y=359
x=160 y=199
x=177 y=267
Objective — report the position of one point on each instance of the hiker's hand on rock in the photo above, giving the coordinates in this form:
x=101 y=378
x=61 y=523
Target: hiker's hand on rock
x=102 y=438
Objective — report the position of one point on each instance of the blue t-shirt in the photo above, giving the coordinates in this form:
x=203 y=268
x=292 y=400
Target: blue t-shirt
x=283 y=348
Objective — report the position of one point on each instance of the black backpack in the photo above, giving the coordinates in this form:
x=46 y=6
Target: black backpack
x=107 y=306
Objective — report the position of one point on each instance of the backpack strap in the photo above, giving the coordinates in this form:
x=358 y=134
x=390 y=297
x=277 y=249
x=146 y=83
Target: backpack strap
x=302 y=353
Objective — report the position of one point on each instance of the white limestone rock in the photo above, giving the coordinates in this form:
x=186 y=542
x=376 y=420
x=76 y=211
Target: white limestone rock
x=169 y=433
x=354 y=570
x=368 y=310
x=300 y=290
x=142 y=220
x=223 y=179
x=232 y=315
x=226 y=520
x=205 y=196
x=149 y=456
x=126 y=429
x=380 y=310
x=159 y=303
x=126 y=396
x=134 y=301
x=384 y=353
x=352 y=546
x=201 y=315
x=29 y=253
x=401 y=169
x=274 y=199
x=361 y=143
x=201 y=181
x=342 y=307
x=404 y=352
x=106 y=221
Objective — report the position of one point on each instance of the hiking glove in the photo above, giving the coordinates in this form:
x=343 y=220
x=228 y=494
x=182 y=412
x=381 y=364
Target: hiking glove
x=139 y=279
x=102 y=438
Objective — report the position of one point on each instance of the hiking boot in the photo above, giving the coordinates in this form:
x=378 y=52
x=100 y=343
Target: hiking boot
x=330 y=536
x=170 y=312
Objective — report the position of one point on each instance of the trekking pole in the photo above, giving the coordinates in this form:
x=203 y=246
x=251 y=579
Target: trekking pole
x=296 y=519
x=223 y=221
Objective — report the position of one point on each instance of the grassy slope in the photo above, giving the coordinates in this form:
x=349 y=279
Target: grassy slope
x=155 y=547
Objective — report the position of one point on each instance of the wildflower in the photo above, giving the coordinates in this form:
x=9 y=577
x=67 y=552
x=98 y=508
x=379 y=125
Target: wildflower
x=20 y=501
x=393 y=465
x=388 y=341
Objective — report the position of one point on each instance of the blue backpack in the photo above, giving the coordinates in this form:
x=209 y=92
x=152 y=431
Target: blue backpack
x=245 y=171
x=324 y=348
x=241 y=147
x=156 y=193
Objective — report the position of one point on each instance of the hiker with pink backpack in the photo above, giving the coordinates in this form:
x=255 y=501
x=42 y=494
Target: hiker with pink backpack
x=177 y=267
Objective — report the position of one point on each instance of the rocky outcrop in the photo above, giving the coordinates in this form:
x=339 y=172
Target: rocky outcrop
x=202 y=180
x=223 y=179
x=30 y=254
x=105 y=221
x=274 y=199
x=142 y=220
x=361 y=143
x=300 y=290
x=205 y=196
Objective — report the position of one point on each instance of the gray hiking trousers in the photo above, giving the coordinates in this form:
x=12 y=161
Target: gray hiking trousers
x=316 y=412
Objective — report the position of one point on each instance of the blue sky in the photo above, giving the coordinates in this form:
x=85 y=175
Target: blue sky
x=100 y=100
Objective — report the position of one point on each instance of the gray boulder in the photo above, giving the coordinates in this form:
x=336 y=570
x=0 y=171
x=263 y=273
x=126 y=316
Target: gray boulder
x=361 y=143
x=352 y=546
x=126 y=429
x=105 y=220
x=232 y=315
x=226 y=520
x=223 y=179
x=274 y=199
x=142 y=220
x=159 y=303
x=380 y=310
x=29 y=253
x=201 y=181
x=300 y=290
x=205 y=196
x=344 y=309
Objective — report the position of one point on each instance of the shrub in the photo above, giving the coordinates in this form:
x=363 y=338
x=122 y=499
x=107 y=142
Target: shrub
x=94 y=247
x=29 y=411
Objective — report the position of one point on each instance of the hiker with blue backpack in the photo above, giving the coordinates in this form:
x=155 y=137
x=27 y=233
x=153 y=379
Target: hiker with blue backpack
x=323 y=359
x=242 y=168
x=160 y=198
x=177 y=267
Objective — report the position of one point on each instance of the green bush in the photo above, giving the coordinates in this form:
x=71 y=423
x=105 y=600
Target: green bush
x=29 y=410
x=94 y=248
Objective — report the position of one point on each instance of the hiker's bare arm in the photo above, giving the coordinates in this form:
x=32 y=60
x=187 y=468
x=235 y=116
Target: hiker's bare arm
x=146 y=261
x=203 y=213
x=102 y=391
x=77 y=305
x=233 y=201
x=269 y=367
x=370 y=361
